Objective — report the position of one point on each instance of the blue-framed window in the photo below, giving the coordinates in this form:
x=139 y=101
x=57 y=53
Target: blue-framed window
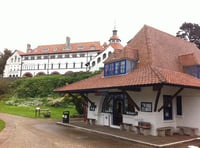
x=193 y=70
x=115 y=68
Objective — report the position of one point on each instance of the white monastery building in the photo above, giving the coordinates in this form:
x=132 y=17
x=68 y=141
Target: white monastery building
x=61 y=58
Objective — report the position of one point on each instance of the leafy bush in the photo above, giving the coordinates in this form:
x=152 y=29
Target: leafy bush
x=43 y=86
x=2 y=125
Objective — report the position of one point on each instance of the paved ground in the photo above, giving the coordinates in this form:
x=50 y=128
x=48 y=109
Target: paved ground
x=22 y=132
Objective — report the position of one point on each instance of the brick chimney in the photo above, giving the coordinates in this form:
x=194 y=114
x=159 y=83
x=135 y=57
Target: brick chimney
x=68 y=44
x=28 y=48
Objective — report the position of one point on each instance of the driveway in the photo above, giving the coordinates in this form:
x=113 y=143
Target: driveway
x=22 y=132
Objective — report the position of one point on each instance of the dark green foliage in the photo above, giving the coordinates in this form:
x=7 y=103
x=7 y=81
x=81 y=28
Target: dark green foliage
x=43 y=86
x=190 y=32
x=78 y=101
x=3 y=58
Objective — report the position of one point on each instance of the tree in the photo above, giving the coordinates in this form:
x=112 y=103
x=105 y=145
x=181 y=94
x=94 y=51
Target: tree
x=3 y=58
x=190 y=32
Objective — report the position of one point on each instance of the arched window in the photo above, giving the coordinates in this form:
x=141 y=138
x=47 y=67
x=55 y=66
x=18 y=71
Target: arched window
x=98 y=60
x=93 y=63
x=104 y=55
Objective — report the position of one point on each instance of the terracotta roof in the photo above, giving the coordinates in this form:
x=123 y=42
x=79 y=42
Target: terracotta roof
x=139 y=77
x=126 y=53
x=116 y=45
x=60 y=48
x=161 y=49
x=188 y=60
x=158 y=56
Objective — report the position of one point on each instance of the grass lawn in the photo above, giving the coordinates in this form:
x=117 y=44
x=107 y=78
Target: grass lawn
x=56 y=112
x=2 y=125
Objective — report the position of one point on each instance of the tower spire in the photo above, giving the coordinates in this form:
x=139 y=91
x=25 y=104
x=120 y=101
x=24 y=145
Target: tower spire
x=114 y=38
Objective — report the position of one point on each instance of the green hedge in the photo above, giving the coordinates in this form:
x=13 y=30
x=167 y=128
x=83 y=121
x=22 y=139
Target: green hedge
x=43 y=86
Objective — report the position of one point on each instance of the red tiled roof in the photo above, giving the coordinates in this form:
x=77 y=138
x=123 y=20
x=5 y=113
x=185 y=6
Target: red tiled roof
x=126 y=53
x=116 y=45
x=158 y=63
x=59 y=48
x=139 y=77
x=188 y=60
x=161 y=49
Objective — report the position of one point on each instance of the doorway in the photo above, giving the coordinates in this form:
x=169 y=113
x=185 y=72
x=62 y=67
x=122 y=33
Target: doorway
x=118 y=109
x=167 y=111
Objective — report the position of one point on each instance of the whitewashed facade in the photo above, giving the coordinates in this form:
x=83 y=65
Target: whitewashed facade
x=155 y=118
x=60 y=58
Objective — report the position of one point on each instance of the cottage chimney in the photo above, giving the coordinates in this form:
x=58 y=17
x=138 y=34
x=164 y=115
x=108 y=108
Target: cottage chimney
x=67 y=46
x=28 y=48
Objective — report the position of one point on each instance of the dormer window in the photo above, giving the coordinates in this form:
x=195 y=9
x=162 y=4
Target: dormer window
x=92 y=47
x=193 y=70
x=80 y=47
x=45 y=49
x=115 y=68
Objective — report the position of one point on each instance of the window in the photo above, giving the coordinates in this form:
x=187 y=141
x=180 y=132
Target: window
x=80 y=47
x=74 y=55
x=45 y=50
x=115 y=68
x=66 y=65
x=74 y=65
x=51 y=66
x=93 y=63
x=110 y=100
x=26 y=58
x=38 y=66
x=67 y=56
x=59 y=56
x=167 y=110
x=193 y=70
x=92 y=47
x=39 y=57
x=81 y=64
x=82 y=55
x=104 y=55
x=179 y=106
x=98 y=60
x=52 y=57
x=111 y=69
x=46 y=57
x=122 y=67
x=146 y=106
x=32 y=58
x=58 y=65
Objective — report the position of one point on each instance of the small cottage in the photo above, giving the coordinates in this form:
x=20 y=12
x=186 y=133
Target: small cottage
x=150 y=86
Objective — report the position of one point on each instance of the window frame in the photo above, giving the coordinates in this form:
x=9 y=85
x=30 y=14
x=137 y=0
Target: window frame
x=110 y=68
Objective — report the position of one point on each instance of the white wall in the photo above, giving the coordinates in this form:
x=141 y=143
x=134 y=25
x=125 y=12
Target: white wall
x=190 y=109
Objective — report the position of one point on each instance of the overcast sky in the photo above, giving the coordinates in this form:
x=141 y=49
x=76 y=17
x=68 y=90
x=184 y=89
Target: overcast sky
x=42 y=22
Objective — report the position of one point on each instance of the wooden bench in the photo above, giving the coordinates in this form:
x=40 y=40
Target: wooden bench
x=163 y=131
x=184 y=130
x=45 y=112
x=126 y=126
x=143 y=128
